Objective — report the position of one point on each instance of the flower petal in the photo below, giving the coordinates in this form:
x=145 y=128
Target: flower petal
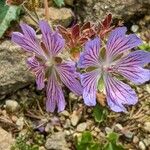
x=52 y=40
x=138 y=58
x=90 y=55
x=136 y=74
x=68 y=75
x=28 y=40
x=89 y=82
x=55 y=96
x=118 y=42
x=118 y=94
x=38 y=69
x=46 y=34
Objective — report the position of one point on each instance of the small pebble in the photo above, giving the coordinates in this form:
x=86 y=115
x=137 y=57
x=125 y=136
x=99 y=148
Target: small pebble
x=42 y=148
x=49 y=127
x=147 y=142
x=65 y=113
x=14 y=118
x=118 y=127
x=67 y=132
x=58 y=128
x=12 y=105
x=108 y=130
x=94 y=133
x=142 y=145
x=72 y=96
x=82 y=127
x=147 y=126
x=75 y=118
x=128 y=134
x=67 y=124
x=135 y=139
x=20 y=123
x=97 y=129
x=89 y=110
x=148 y=88
x=134 y=28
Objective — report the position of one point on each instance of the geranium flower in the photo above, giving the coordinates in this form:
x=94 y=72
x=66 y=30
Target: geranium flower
x=46 y=63
x=117 y=61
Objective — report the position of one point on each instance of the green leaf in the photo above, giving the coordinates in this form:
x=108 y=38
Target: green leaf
x=113 y=137
x=86 y=137
x=112 y=143
x=59 y=3
x=100 y=113
x=7 y=14
x=145 y=46
x=112 y=146
x=87 y=142
x=101 y=85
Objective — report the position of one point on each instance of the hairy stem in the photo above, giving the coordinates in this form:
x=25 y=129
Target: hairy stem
x=46 y=9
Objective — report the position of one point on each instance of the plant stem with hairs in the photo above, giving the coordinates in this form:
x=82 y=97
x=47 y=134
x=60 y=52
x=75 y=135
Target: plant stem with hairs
x=46 y=9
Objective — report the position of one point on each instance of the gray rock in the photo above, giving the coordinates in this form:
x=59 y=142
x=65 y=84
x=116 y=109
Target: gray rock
x=11 y=105
x=96 y=9
x=13 y=71
x=57 y=141
x=6 y=140
x=63 y=16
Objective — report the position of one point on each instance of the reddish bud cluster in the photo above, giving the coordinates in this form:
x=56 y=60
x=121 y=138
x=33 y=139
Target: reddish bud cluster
x=77 y=35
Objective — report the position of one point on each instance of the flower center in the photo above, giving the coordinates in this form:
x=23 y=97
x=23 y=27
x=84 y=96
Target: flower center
x=108 y=68
x=49 y=63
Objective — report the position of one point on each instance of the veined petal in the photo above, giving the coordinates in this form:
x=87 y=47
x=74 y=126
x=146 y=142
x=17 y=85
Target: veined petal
x=91 y=54
x=118 y=94
x=28 y=32
x=28 y=40
x=68 y=75
x=38 y=69
x=53 y=41
x=118 y=42
x=89 y=82
x=138 y=58
x=46 y=34
x=55 y=96
x=135 y=73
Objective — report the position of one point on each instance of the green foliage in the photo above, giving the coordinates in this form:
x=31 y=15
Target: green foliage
x=7 y=14
x=21 y=144
x=59 y=3
x=87 y=142
x=100 y=113
x=101 y=85
x=112 y=142
x=145 y=46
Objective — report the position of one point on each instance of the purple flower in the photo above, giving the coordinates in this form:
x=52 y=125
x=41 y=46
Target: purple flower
x=116 y=62
x=47 y=64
